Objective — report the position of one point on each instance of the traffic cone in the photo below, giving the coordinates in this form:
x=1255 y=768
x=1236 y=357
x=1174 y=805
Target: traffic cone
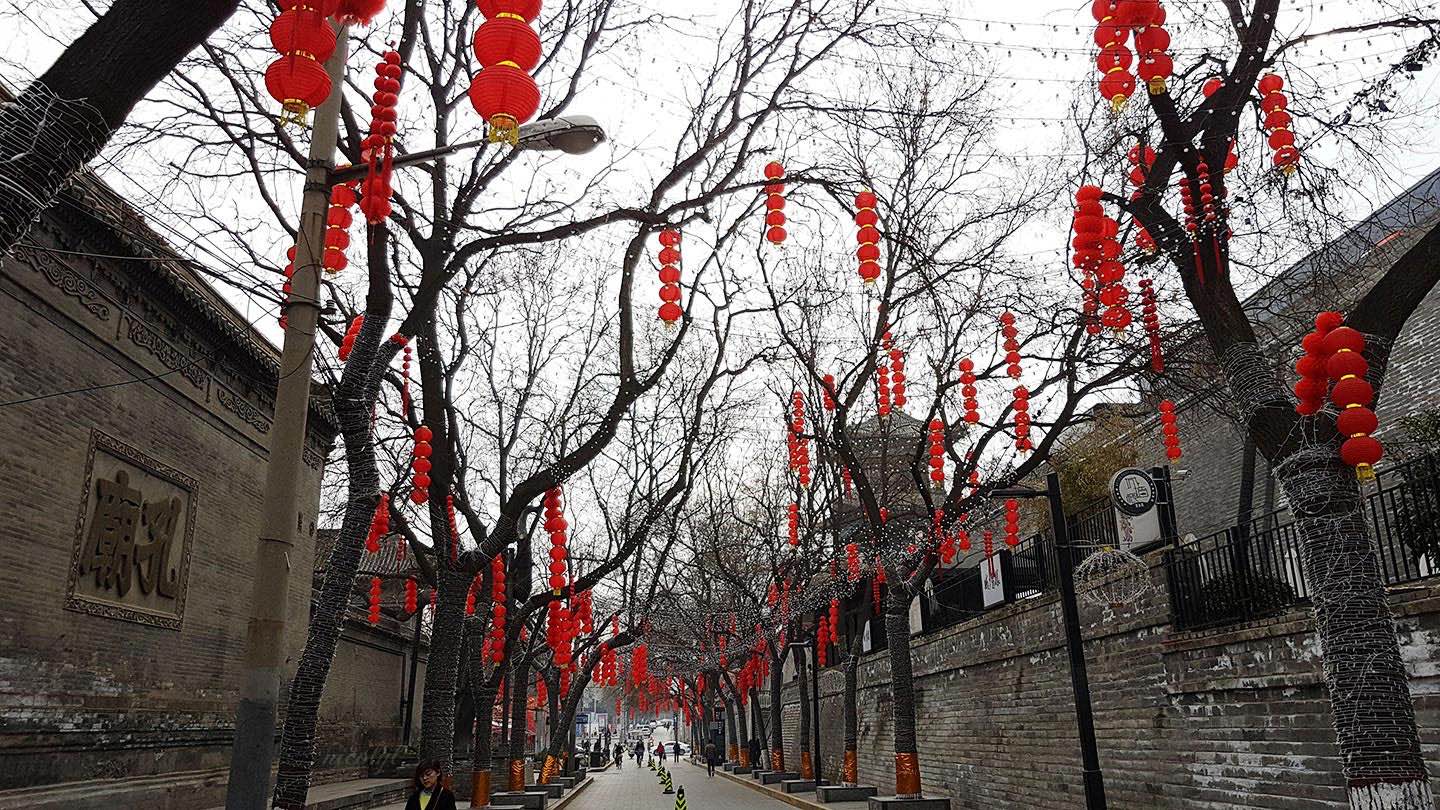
x=680 y=799
x=669 y=786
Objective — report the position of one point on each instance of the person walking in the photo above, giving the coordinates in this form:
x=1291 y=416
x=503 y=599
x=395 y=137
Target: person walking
x=710 y=758
x=660 y=751
x=755 y=753
x=619 y=756
x=427 y=793
x=639 y=753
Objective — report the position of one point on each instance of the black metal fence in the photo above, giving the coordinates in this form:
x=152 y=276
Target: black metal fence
x=1254 y=570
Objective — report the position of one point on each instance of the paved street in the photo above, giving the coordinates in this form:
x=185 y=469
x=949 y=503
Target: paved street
x=636 y=789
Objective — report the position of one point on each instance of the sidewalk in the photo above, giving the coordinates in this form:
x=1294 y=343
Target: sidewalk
x=630 y=788
x=807 y=801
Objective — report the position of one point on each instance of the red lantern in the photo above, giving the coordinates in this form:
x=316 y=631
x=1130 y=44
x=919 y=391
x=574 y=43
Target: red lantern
x=1022 y=419
x=1155 y=64
x=507 y=40
x=1011 y=343
x=506 y=97
x=420 y=484
x=358 y=11
x=794 y=519
x=374 y=613
x=298 y=82
x=1313 y=385
x=412 y=595
x=827 y=392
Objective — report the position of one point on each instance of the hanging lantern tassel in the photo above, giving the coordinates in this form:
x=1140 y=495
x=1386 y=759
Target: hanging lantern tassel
x=1353 y=395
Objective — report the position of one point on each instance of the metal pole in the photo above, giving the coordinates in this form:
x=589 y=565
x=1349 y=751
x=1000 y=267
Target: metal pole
x=815 y=715
x=1165 y=504
x=280 y=517
x=1074 y=645
x=410 y=687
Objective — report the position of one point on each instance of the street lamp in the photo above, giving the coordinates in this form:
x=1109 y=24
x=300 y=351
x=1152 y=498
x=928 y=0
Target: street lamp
x=571 y=134
x=1074 y=645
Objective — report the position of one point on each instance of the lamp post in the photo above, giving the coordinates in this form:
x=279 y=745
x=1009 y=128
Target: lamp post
x=1074 y=644
x=280 y=517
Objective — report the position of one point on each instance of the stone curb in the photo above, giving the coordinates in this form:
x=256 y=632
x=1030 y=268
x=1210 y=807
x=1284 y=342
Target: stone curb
x=788 y=798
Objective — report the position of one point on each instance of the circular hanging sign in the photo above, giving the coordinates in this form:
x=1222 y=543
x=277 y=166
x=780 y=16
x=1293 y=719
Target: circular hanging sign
x=1133 y=491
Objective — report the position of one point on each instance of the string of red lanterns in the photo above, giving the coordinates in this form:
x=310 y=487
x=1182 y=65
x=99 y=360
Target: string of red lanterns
x=1274 y=104
x=969 y=392
x=937 y=455
x=556 y=527
x=378 y=148
x=347 y=343
x=1022 y=419
x=379 y=524
x=374 y=612
x=1150 y=316
x=1114 y=59
x=1313 y=385
x=498 y=598
x=867 y=233
x=412 y=595
x=897 y=377
x=1170 y=430
x=337 y=233
x=420 y=490
x=508 y=48
x=775 y=202
x=1011 y=344
x=1012 y=522
x=1353 y=395
x=670 y=310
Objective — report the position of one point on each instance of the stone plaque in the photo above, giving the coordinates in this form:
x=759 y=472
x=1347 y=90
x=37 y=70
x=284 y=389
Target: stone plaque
x=132 y=537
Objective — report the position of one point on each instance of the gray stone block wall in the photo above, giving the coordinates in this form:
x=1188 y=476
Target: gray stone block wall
x=1234 y=718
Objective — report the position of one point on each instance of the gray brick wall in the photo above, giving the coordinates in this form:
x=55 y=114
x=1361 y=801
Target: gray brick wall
x=1235 y=718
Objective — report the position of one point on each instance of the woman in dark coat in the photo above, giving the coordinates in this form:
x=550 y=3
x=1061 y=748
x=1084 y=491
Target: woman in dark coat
x=428 y=793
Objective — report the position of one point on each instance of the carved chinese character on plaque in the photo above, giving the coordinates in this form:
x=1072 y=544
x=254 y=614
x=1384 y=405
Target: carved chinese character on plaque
x=132 y=537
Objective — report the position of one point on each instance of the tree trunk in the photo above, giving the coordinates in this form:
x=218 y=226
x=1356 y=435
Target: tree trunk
x=902 y=686
x=777 y=734
x=62 y=120
x=1369 y=697
x=807 y=766
x=520 y=688
x=732 y=748
x=484 y=695
x=850 y=770
x=742 y=738
x=437 y=718
x=302 y=710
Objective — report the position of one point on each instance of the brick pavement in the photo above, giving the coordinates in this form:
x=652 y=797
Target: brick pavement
x=637 y=789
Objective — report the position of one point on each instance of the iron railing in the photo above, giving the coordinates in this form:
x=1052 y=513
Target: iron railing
x=1254 y=570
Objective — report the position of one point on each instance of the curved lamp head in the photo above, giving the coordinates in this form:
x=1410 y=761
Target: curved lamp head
x=572 y=134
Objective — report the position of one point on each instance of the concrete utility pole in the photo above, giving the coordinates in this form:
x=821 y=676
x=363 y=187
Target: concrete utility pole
x=280 y=518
